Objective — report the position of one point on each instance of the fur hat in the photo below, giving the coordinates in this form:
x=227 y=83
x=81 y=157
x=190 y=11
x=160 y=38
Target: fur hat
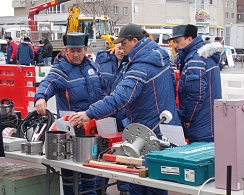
x=188 y=30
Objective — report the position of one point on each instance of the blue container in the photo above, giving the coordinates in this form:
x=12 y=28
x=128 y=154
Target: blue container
x=191 y=164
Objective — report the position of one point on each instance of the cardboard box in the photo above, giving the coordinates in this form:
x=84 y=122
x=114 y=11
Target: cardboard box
x=229 y=144
x=16 y=179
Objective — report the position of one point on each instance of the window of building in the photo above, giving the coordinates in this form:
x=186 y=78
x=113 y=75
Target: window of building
x=116 y=9
x=232 y=4
x=232 y=15
x=56 y=9
x=226 y=14
x=226 y=3
x=210 y=2
x=125 y=10
x=238 y=16
x=239 y=7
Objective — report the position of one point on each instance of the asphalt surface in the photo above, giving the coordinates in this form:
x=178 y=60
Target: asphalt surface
x=237 y=69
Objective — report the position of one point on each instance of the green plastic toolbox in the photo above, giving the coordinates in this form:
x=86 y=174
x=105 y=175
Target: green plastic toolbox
x=191 y=164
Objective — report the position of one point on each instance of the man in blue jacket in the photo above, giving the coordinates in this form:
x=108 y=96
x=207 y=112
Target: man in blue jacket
x=145 y=90
x=199 y=84
x=110 y=64
x=25 y=52
x=74 y=81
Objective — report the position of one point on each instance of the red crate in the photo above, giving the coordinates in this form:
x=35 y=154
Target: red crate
x=17 y=84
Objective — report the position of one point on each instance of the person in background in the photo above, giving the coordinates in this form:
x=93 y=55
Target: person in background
x=25 y=52
x=110 y=64
x=145 y=90
x=47 y=52
x=39 y=52
x=11 y=50
x=74 y=80
x=199 y=83
x=207 y=39
x=217 y=39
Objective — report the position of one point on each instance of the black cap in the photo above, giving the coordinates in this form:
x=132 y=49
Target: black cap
x=129 y=31
x=27 y=39
x=8 y=37
x=217 y=39
x=75 y=40
x=184 y=30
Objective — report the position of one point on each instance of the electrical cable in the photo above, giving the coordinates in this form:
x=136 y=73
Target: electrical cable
x=34 y=120
x=208 y=180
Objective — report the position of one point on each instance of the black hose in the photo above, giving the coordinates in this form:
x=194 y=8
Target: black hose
x=31 y=121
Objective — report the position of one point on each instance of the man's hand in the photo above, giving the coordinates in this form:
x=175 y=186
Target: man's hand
x=41 y=106
x=78 y=118
x=11 y=60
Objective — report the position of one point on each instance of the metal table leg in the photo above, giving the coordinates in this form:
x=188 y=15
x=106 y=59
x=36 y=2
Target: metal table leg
x=103 y=188
x=75 y=182
x=48 y=180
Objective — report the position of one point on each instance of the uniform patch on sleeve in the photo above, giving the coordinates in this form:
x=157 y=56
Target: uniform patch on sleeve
x=91 y=72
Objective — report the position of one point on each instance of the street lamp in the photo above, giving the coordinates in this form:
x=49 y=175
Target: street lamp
x=132 y=12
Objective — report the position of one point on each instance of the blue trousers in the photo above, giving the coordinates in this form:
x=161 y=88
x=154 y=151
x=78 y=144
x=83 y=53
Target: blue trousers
x=135 y=189
x=47 y=61
x=86 y=182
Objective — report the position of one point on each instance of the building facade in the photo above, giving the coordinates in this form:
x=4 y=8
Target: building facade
x=209 y=15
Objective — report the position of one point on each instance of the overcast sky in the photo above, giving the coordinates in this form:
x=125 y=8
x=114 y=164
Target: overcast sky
x=6 y=8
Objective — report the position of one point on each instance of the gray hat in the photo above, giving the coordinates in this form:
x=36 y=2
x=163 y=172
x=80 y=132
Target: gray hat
x=184 y=30
x=129 y=31
x=76 y=40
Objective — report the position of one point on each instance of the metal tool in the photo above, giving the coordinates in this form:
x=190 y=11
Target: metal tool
x=138 y=139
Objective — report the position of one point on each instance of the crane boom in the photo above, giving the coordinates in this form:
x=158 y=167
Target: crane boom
x=36 y=9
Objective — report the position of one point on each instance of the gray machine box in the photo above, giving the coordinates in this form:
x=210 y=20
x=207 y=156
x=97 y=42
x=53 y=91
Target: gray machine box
x=12 y=143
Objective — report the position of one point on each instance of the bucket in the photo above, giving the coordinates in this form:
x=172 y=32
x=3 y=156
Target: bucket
x=7 y=107
x=84 y=149
x=56 y=145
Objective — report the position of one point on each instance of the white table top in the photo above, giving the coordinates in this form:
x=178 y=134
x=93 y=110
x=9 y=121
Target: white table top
x=208 y=189
x=25 y=157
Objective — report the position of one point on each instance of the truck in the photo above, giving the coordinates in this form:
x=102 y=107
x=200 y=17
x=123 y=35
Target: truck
x=75 y=23
x=234 y=36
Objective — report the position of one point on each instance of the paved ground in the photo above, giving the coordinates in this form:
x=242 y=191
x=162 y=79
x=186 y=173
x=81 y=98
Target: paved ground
x=237 y=69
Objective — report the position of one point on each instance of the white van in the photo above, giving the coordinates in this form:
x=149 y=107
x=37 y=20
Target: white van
x=3 y=54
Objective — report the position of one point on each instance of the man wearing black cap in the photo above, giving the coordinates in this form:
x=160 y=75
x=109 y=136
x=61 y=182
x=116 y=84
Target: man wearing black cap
x=74 y=81
x=145 y=90
x=11 y=50
x=199 y=84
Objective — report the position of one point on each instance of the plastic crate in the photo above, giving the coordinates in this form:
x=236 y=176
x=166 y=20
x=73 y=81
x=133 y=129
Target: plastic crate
x=191 y=164
x=17 y=84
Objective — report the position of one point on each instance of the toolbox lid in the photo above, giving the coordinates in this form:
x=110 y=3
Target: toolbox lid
x=195 y=154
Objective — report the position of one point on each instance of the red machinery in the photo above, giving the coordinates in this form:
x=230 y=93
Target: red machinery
x=36 y=9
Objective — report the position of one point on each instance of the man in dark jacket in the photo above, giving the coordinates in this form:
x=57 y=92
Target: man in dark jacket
x=47 y=52
x=11 y=50
x=74 y=81
x=145 y=90
x=25 y=52
x=110 y=64
x=199 y=84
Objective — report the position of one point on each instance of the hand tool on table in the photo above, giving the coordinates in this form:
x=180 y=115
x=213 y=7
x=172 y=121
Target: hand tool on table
x=124 y=159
